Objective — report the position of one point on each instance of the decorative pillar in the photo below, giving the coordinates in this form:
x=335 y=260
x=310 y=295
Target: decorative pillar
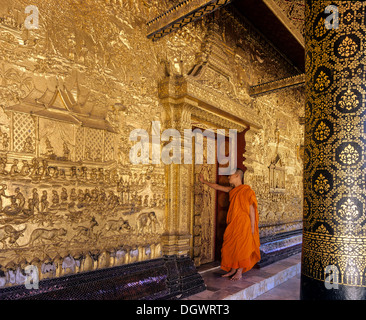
x=183 y=278
x=177 y=237
x=334 y=228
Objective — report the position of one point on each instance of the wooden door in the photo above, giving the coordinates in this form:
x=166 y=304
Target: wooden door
x=222 y=204
x=210 y=206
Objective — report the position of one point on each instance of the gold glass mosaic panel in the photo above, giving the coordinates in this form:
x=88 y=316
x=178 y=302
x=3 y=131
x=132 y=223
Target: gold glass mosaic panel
x=334 y=176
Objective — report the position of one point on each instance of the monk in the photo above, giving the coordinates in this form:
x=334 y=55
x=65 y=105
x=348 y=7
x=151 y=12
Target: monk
x=240 y=249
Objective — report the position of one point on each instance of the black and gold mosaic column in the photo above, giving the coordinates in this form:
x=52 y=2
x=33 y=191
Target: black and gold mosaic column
x=334 y=238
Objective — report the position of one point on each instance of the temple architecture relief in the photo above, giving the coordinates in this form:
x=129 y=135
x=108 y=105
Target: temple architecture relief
x=73 y=90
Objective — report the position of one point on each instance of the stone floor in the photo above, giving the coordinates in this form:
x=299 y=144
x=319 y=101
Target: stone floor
x=289 y=290
x=278 y=281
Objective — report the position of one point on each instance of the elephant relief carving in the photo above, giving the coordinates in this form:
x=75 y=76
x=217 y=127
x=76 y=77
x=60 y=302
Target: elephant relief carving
x=147 y=222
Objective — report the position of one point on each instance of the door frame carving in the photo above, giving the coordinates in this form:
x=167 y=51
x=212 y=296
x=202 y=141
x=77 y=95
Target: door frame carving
x=186 y=100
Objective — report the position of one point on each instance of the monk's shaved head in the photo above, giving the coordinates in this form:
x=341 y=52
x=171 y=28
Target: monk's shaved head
x=241 y=174
x=237 y=177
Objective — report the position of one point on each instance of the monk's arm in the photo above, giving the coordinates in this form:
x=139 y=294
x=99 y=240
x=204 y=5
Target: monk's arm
x=215 y=185
x=252 y=217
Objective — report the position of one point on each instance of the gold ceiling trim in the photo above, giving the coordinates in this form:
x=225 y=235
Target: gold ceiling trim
x=272 y=86
x=285 y=21
x=182 y=14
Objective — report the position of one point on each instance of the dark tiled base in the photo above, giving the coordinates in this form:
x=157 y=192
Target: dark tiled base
x=280 y=246
x=170 y=277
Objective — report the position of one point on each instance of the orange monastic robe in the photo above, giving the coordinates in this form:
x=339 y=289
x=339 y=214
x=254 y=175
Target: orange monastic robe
x=240 y=248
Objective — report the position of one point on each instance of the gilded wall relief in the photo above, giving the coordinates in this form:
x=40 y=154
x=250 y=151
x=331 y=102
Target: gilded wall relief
x=65 y=196
x=277 y=176
x=278 y=186
x=70 y=94
x=204 y=211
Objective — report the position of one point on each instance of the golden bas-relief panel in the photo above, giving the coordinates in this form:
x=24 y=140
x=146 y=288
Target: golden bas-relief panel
x=73 y=90
x=204 y=211
x=70 y=200
x=65 y=201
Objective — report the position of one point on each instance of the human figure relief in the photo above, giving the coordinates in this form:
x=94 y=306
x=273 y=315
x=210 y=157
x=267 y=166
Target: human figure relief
x=44 y=201
x=49 y=148
x=28 y=145
x=34 y=167
x=66 y=151
x=3 y=161
x=84 y=173
x=3 y=187
x=5 y=141
x=64 y=195
x=14 y=170
x=44 y=171
x=35 y=199
x=19 y=198
x=73 y=195
x=12 y=209
x=55 y=200
x=25 y=170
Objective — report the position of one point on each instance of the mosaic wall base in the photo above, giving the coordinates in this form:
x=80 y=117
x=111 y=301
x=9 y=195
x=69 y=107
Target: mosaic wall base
x=279 y=246
x=166 y=278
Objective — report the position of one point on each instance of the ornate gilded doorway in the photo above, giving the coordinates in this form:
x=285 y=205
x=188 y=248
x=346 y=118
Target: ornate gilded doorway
x=210 y=207
x=203 y=98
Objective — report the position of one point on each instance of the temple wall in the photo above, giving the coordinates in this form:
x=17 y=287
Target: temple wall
x=72 y=91
x=273 y=153
x=276 y=171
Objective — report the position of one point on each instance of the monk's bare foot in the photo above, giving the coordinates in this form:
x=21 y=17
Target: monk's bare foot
x=229 y=274
x=237 y=276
